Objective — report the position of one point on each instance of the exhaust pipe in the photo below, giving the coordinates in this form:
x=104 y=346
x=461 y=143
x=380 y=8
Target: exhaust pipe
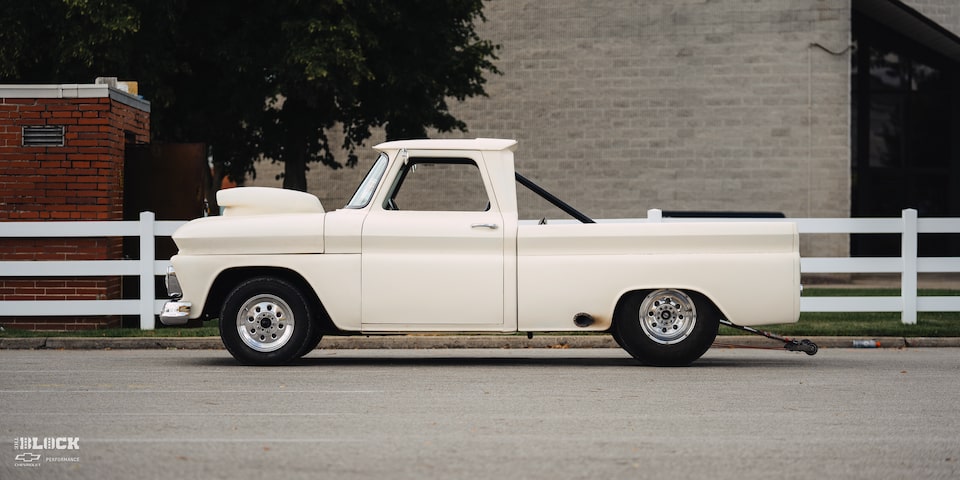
x=582 y=320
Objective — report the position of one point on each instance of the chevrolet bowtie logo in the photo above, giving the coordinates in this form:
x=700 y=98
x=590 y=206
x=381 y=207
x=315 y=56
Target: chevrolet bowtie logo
x=28 y=457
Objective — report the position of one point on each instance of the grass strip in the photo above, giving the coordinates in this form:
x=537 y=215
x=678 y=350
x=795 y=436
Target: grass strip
x=884 y=324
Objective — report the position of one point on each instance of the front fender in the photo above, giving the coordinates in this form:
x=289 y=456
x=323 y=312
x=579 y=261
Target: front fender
x=334 y=279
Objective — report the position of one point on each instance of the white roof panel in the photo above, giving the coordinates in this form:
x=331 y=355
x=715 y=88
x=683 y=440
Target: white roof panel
x=450 y=144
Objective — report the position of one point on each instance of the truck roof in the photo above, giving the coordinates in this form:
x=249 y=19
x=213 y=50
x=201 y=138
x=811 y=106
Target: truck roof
x=450 y=144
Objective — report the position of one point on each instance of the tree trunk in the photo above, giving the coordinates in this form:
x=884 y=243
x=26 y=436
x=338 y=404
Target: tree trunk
x=295 y=166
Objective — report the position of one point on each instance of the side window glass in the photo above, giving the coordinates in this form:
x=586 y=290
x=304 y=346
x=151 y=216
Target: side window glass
x=369 y=184
x=434 y=184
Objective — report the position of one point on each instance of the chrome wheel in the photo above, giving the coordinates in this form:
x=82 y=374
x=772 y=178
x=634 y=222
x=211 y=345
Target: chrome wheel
x=265 y=323
x=667 y=316
x=666 y=327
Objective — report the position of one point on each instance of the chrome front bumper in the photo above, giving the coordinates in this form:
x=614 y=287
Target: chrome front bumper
x=175 y=313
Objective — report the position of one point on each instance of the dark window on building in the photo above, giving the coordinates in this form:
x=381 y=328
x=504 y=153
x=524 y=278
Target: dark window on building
x=904 y=126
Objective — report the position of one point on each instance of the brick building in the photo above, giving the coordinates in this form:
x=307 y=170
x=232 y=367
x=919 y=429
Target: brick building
x=62 y=152
x=805 y=107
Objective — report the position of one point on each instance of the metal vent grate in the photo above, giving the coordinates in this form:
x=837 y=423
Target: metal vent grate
x=43 y=136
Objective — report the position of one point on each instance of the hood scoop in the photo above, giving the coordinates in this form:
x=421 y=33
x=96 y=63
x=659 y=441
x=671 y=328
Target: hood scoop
x=266 y=200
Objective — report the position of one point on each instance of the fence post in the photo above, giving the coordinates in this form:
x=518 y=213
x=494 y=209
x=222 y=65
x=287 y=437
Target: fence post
x=148 y=292
x=655 y=215
x=908 y=281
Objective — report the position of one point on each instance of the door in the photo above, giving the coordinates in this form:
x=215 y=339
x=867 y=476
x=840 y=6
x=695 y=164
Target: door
x=433 y=249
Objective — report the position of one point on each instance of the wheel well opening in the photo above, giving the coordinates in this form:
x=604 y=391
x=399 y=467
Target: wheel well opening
x=646 y=291
x=230 y=278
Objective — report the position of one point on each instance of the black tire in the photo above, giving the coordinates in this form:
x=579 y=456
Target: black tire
x=666 y=327
x=311 y=343
x=616 y=337
x=266 y=321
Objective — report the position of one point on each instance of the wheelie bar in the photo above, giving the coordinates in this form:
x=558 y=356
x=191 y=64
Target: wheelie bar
x=805 y=346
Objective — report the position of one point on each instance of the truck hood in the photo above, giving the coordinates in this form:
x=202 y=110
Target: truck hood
x=256 y=221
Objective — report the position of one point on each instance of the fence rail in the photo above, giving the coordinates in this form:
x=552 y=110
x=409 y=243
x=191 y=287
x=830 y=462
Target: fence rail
x=147 y=267
x=908 y=265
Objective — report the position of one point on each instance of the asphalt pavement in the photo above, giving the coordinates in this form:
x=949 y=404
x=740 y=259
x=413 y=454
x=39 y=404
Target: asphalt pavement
x=737 y=413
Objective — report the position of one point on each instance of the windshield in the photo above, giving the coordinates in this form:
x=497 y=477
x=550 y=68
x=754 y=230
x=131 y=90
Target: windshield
x=369 y=184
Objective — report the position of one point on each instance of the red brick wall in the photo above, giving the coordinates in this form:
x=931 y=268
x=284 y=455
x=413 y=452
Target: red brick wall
x=82 y=180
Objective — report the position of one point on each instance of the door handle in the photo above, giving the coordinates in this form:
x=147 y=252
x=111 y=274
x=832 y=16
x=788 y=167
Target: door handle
x=491 y=226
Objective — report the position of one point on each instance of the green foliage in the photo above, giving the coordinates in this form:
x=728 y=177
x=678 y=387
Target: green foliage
x=254 y=78
x=50 y=40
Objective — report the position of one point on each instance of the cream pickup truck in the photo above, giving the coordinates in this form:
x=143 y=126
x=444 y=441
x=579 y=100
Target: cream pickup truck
x=431 y=242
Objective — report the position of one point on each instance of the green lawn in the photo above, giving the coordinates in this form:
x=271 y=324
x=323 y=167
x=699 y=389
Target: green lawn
x=929 y=324
x=209 y=329
x=885 y=324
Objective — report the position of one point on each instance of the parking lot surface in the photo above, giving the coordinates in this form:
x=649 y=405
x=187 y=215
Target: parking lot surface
x=480 y=413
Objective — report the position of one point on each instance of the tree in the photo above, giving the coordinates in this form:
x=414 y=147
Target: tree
x=257 y=79
x=47 y=39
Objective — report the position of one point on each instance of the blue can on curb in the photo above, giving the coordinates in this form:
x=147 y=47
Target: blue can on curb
x=866 y=344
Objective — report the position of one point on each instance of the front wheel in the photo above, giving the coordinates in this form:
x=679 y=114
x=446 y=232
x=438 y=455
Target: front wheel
x=266 y=321
x=666 y=327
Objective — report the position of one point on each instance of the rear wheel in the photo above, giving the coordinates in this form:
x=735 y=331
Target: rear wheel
x=666 y=327
x=266 y=321
x=616 y=337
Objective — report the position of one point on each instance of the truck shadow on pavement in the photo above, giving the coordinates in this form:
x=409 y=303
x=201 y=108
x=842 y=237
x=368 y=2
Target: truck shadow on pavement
x=332 y=359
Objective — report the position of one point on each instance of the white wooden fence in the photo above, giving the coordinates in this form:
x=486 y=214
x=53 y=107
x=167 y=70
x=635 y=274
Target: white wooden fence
x=147 y=228
x=908 y=265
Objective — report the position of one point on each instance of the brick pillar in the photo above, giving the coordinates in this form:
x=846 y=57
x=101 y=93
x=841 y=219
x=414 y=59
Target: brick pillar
x=82 y=179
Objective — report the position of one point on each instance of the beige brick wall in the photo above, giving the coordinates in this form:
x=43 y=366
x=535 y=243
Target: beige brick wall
x=944 y=12
x=676 y=105
x=624 y=105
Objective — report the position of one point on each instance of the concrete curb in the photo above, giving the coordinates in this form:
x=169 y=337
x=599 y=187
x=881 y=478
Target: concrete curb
x=439 y=341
